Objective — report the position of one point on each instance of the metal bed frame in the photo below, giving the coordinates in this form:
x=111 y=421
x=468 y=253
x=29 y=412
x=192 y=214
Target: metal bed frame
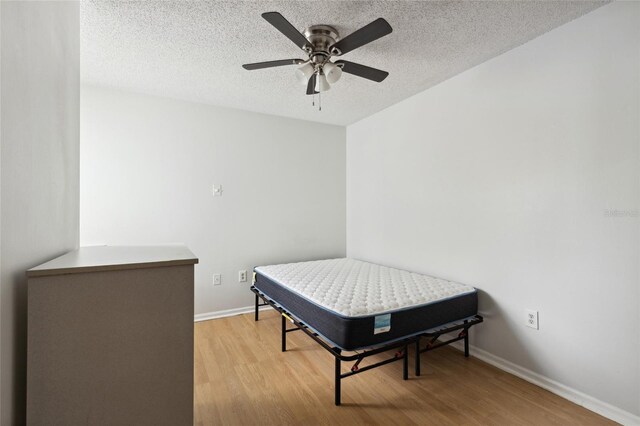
x=401 y=346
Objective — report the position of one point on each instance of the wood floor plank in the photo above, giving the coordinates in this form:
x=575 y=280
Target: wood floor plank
x=242 y=378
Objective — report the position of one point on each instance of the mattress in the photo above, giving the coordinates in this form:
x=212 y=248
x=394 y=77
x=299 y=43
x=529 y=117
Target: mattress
x=355 y=304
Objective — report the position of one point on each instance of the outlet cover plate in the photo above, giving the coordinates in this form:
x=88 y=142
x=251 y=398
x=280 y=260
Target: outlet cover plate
x=532 y=319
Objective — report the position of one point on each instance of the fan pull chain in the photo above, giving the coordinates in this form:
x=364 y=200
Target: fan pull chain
x=313 y=100
x=319 y=101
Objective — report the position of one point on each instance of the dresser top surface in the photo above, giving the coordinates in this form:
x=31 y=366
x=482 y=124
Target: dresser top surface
x=102 y=258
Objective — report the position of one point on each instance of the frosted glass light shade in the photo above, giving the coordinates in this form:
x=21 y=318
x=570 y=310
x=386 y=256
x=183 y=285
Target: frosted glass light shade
x=304 y=73
x=332 y=72
x=322 y=85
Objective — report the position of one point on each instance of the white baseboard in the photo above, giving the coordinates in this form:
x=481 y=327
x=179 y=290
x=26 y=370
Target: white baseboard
x=590 y=403
x=226 y=313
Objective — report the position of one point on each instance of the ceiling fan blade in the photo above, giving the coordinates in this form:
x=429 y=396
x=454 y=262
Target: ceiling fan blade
x=285 y=27
x=362 y=71
x=270 y=64
x=367 y=34
x=311 y=86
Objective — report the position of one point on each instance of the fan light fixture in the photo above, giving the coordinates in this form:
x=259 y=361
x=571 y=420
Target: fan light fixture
x=332 y=72
x=320 y=43
x=322 y=85
x=304 y=73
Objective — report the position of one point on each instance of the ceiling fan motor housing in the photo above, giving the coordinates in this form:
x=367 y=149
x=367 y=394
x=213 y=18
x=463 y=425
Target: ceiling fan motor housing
x=321 y=38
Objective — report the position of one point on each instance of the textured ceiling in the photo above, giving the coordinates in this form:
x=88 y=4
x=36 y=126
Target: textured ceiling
x=194 y=50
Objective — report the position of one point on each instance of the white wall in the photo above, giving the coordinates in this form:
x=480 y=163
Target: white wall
x=39 y=144
x=148 y=165
x=501 y=178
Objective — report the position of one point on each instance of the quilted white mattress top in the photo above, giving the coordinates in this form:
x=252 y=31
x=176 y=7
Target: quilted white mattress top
x=353 y=288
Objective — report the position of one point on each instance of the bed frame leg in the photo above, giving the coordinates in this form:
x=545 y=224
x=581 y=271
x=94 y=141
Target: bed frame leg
x=338 y=373
x=284 y=333
x=466 y=342
x=256 y=313
x=405 y=363
x=418 y=357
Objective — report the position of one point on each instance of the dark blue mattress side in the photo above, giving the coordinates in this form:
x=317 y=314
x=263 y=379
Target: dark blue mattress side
x=351 y=333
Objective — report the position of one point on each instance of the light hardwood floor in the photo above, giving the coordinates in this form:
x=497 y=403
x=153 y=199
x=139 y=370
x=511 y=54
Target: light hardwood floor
x=242 y=378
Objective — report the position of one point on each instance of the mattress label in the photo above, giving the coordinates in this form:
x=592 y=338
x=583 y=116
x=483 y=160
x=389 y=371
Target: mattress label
x=382 y=323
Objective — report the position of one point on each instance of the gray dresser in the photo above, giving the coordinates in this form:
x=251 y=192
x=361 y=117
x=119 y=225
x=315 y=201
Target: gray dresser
x=110 y=337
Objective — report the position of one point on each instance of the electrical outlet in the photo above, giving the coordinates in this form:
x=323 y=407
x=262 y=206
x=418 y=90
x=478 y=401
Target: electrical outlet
x=217 y=279
x=532 y=319
x=242 y=276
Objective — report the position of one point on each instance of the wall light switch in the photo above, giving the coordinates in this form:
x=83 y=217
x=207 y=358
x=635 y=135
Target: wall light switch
x=217 y=279
x=217 y=190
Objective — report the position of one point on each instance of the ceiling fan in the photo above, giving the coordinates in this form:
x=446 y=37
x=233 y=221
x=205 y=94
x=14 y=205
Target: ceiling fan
x=320 y=43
